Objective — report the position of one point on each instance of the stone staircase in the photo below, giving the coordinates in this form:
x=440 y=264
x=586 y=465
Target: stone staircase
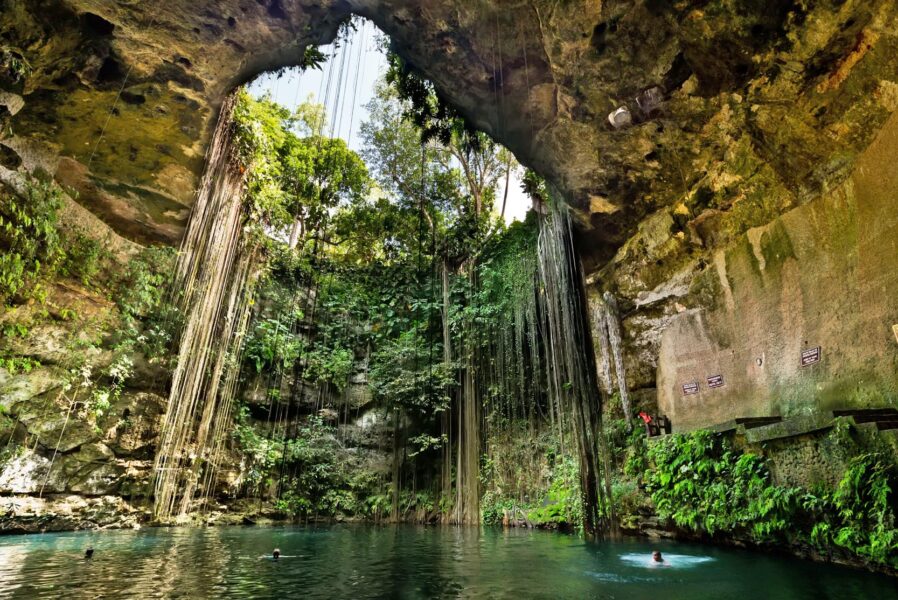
x=764 y=429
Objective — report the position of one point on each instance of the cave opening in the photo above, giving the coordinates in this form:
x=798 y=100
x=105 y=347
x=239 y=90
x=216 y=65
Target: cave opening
x=388 y=275
x=262 y=263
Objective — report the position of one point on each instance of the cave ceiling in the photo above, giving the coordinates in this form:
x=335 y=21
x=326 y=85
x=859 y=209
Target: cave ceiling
x=733 y=107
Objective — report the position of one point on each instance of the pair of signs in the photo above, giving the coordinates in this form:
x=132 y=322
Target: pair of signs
x=808 y=357
x=715 y=381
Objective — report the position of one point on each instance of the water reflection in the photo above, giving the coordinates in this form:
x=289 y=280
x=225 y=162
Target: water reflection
x=401 y=562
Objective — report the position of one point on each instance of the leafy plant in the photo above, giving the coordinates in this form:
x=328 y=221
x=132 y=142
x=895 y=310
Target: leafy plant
x=402 y=374
x=29 y=238
x=330 y=365
x=272 y=345
x=83 y=258
x=860 y=515
x=13 y=65
x=562 y=507
x=701 y=483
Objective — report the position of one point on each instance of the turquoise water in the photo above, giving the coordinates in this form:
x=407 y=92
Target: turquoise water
x=404 y=562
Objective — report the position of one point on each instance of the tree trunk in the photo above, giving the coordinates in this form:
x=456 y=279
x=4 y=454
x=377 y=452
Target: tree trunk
x=397 y=465
x=295 y=233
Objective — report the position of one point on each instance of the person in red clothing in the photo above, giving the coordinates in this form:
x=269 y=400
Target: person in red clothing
x=650 y=429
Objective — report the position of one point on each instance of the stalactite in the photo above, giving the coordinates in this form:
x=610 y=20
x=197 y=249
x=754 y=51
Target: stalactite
x=604 y=358
x=215 y=267
x=614 y=336
x=606 y=329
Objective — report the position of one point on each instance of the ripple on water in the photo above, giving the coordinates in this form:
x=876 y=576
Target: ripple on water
x=677 y=561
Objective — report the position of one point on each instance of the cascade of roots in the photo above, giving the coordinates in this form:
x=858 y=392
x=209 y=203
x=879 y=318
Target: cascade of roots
x=467 y=507
x=511 y=369
x=212 y=283
x=572 y=375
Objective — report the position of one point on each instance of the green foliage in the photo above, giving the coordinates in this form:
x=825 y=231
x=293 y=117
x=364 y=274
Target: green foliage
x=425 y=108
x=260 y=453
x=150 y=319
x=316 y=479
x=700 y=483
x=312 y=58
x=405 y=372
x=361 y=270
x=535 y=187
x=445 y=188
x=83 y=258
x=493 y=508
x=106 y=389
x=860 y=515
x=636 y=457
x=29 y=237
x=628 y=501
x=272 y=345
x=13 y=65
x=559 y=507
x=330 y=365
x=18 y=364
x=562 y=507
x=293 y=179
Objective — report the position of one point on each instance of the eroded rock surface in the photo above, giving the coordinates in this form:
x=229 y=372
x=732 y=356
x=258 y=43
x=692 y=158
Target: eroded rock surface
x=752 y=107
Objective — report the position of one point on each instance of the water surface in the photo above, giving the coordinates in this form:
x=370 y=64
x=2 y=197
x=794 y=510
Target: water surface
x=404 y=562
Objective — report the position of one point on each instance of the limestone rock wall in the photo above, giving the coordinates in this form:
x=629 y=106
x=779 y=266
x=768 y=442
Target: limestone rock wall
x=821 y=275
x=740 y=111
x=754 y=106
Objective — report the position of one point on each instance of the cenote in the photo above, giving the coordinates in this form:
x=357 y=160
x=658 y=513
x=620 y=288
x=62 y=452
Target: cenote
x=403 y=562
x=448 y=298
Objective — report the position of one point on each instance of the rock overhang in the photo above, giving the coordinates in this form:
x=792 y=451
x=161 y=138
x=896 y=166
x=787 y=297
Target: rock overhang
x=753 y=104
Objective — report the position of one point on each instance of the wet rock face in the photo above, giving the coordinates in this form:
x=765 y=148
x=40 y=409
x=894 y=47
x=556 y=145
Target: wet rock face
x=775 y=98
x=726 y=115
x=58 y=451
x=820 y=276
x=20 y=514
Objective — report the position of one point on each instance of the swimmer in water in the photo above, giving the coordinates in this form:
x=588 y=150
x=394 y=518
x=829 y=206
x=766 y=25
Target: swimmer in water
x=657 y=558
x=276 y=554
x=89 y=553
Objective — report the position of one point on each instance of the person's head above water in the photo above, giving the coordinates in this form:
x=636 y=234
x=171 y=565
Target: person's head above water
x=276 y=554
x=656 y=556
x=89 y=553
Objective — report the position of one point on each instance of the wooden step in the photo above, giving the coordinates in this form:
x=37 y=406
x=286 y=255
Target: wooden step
x=745 y=422
x=752 y=422
x=866 y=412
x=873 y=418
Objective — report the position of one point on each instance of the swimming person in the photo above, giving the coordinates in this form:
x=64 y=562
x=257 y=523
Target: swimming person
x=276 y=554
x=656 y=557
x=89 y=553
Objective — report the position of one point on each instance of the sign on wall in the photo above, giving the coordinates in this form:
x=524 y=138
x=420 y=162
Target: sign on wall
x=690 y=388
x=810 y=356
x=715 y=381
